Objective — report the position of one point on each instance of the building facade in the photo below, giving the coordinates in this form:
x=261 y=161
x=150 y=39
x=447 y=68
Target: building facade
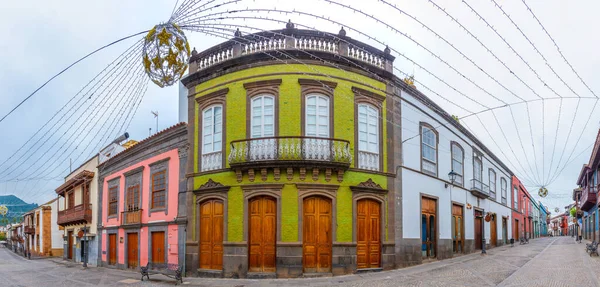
x=44 y=235
x=292 y=172
x=78 y=213
x=142 y=195
x=519 y=216
x=544 y=218
x=588 y=200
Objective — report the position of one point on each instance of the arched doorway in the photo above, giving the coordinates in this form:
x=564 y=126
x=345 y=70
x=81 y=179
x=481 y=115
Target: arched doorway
x=316 y=234
x=368 y=234
x=262 y=213
x=211 y=234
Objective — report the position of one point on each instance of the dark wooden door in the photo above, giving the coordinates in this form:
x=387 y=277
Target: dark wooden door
x=211 y=234
x=478 y=229
x=112 y=249
x=457 y=229
x=428 y=227
x=132 y=250
x=70 y=244
x=516 y=233
x=493 y=231
x=316 y=233
x=505 y=230
x=262 y=233
x=158 y=247
x=368 y=234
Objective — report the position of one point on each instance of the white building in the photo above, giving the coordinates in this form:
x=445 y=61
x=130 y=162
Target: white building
x=441 y=219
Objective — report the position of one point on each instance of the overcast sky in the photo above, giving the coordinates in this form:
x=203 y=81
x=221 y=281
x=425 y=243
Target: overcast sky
x=42 y=38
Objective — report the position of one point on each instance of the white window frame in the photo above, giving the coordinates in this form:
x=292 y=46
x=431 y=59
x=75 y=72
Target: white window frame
x=253 y=106
x=212 y=157
x=368 y=137
x=459 y=173
x=434 y=162
x=490 y=181
x=516 y=197
x=317 y=115
x=503 y=194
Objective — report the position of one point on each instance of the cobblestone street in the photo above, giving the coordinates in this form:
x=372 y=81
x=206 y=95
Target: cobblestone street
x=544 y=262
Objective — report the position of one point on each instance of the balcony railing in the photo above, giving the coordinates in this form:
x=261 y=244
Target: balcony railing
x=79 y=214
x=479 y=189
x=212 y=161
x=29 y=229
x=294 y=149
x=588 y=198
x=131 y=217
x=530 y=213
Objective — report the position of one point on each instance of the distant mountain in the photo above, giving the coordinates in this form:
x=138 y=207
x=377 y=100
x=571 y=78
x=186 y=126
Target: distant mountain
x=16 y=207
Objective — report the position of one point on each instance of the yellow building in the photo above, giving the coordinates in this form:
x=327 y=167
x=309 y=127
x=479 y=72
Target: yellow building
x=290 y=133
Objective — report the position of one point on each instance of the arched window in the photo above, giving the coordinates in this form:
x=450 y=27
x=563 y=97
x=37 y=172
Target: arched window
x=458 y=158
x=428 y=150
x=492 y=181
x=317 y=116
x=263 y=116
x=477 y=170
x=368 y=137
x=212 y=137
x=503 y=191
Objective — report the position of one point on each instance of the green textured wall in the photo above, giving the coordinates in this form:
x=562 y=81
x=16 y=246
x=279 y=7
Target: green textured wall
x=290 y=125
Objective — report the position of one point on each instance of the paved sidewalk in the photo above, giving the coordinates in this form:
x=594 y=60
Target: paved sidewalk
x=557 y=261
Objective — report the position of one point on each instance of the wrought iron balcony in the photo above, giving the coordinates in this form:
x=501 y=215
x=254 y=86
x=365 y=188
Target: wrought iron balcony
x=29 y=229
x=131 y=217
x=479 y=189
x=294 y=150
x=78 y=214
x=588 y=198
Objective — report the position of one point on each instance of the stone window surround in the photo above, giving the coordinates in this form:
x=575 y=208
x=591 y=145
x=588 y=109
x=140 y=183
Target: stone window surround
x=254 y=190
x=159 y=228
x=437 y=143
x=132 y=177
x=266 y=87
x=325 y=88
x=328 y=191
x=111 y=183
x=203 y=102
x=157 y=166
x=362 y=96
x=125 y=242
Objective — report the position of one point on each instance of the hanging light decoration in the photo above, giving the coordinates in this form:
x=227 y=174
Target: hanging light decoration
x=557 y=210
x=3 y=210
x=166 y=53
x=543 y=192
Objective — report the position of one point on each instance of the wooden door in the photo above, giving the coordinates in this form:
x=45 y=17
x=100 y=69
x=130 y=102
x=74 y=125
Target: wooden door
x=262 y=234
x=493 y=231
x=516 y=227
x=478 y=229
x=112 y=249
x=158 y=247
x=211 y=234
x=428 y=228
x=504 y=230
x=70 y=244
x=316 y=233
x=368 y=234
x=457 y=229
x=132 y=250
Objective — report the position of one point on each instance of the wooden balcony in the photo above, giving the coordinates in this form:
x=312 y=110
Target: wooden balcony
x=479 y=189
x=131 y=217
x=29 y=229
x=77 y=215
x=309 y=155
x=588 y=198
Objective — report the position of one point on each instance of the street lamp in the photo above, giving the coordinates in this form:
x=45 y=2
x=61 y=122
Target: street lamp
x=452 y=176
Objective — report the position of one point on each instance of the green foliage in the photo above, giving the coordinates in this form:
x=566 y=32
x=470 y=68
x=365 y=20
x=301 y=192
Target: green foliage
x=2 y=236
x=455 y=118
x=573 y=211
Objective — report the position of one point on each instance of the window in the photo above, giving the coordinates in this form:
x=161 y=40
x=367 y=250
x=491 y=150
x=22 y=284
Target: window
x=159 y=189
x=71 y=196
x=428 y=150
x=133 y=197
x=317 y=116
x=212 y=137
x=503 y=193
x=516 y=198
x=457 y=162
x=368 y=137
x=477 y=171
x=263 y=116
x=492 y=175
x=113 y=193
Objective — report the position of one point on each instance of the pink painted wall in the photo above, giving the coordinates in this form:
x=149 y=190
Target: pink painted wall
x=169 y=216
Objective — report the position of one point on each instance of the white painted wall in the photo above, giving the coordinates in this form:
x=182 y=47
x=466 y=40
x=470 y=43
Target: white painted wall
x=57 y=234
x=414 y=184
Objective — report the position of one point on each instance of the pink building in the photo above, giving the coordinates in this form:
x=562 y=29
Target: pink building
x=142 y=212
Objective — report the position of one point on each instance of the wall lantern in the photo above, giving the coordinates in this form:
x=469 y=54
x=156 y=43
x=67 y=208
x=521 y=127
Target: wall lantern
x=452 y=176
